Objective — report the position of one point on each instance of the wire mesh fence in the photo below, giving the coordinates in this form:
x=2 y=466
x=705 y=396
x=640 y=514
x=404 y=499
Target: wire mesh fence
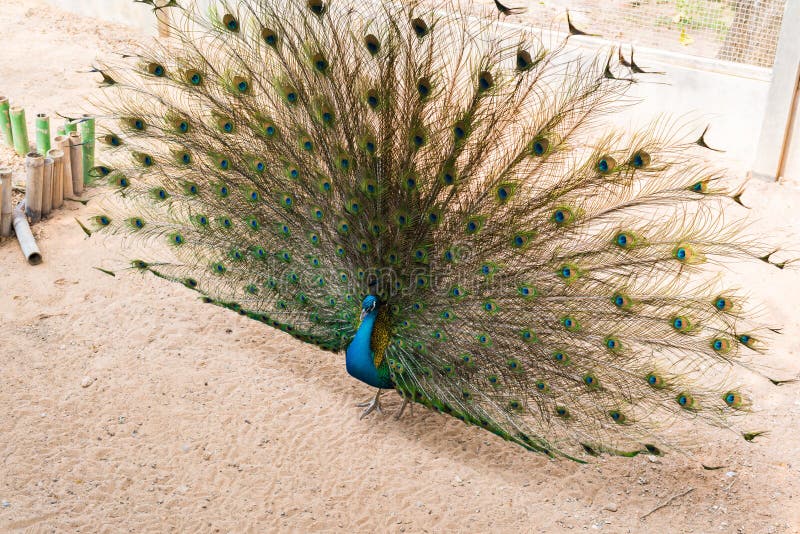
x=742 y=31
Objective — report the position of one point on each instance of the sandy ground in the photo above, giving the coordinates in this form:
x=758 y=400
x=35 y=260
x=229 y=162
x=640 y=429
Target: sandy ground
x=127 y=405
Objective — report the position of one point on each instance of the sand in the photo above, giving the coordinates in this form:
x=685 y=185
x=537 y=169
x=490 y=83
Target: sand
x=128 y=405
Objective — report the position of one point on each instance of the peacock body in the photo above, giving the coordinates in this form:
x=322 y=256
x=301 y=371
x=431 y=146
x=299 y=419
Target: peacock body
x=429 y=193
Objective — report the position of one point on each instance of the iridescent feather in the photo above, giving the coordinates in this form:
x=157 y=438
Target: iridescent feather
x=550 y=285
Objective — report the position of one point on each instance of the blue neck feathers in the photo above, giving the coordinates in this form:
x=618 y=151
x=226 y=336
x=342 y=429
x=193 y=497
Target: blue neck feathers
x=360 y=357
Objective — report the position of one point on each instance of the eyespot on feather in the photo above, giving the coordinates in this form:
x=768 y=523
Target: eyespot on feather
x=241 y=85
x=230 y=23
x=685 y=401
x=145 y=160
x=569 y=273
x=193 y=77
x=721 y=345
x=640 y=160
x=699 y=187
x=111 y=140
x=524 y=60
x=317 y=7
x=270 y=37
x=686 y=253
x=424 y=88
x=562 y=216
x=723 y=303
x=540 y=146
x=373 y=99
x=617 y=416
x=621 y=301
x=373 y=44
x=655 y=380
x=420 y=27
x=226 y=125
x=156 y=69
x=320 y=63
x=485 y=81
x=681 y=324
x=733 y=399
x=606 y=165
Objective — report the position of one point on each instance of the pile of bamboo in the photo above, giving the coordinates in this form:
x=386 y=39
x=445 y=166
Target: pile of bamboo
x=56 y=170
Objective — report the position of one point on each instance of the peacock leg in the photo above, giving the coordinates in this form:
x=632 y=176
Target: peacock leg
x=403 y=407
x=372 y=405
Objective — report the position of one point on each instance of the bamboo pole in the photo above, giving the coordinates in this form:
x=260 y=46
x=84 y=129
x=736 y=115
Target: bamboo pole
x=61 y=131
x=6 y=210
x=25 y=237
x=87 y=137
x=76 y=162
x=34 y=165
x=19 y=130
x=62 y=142
x=5 y=121
x=42 y=133
x=70 y=126
x=57 y=156
x=47 y=187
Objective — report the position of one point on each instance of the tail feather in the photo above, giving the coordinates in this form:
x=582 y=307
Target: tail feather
x=547 y=284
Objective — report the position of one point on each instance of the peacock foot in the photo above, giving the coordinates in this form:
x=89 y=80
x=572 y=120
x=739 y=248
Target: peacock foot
x=371 y=405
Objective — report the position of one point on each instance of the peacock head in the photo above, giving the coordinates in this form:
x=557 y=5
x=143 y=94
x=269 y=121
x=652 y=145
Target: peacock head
x=369 y=305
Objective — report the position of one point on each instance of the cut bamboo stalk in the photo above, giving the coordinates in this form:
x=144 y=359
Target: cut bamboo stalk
x=25 y=237
x=42 y=133
x=19 y=130
x=61 y=131
x=62 y=142
x=58 y=176
x=6 y=209
x=47 y=187
x=5 y=121
x=76 y=162
x=87 y=137
x=70 y=126
x=34 y=166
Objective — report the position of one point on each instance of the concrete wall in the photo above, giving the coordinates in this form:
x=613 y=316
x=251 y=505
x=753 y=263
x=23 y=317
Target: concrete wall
x=732 y=103
x=139 y=16
x=732 y=98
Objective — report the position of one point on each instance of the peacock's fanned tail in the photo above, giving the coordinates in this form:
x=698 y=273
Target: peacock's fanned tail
x=548 y=278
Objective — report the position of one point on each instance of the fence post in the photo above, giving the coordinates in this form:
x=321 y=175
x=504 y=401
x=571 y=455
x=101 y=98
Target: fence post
x=783 y=109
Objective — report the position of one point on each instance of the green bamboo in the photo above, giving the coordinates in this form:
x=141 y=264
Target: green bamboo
x=87 y=138
x=5 y=121
x=70 y=126
x=19 y=130
x=42 y=133
x=61 y=131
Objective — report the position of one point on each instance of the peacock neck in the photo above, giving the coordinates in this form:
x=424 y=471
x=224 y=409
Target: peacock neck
x=360 y=358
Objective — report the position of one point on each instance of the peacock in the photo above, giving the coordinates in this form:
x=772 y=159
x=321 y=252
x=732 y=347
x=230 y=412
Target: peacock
x=438 y=197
